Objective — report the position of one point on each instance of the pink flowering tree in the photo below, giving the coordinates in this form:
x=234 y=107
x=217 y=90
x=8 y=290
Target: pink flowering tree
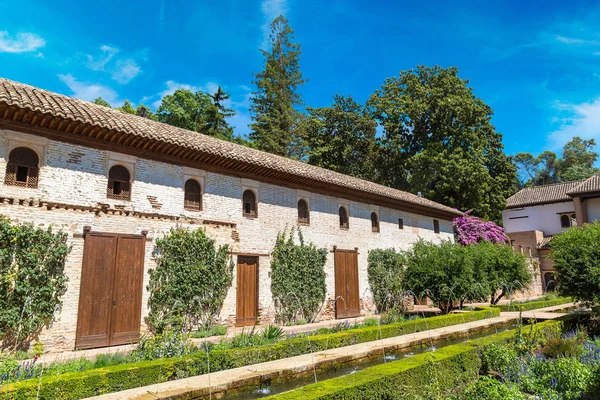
x=470 y=229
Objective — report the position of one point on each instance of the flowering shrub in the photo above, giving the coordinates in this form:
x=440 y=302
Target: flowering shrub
x=564 y=368
x=470 y=229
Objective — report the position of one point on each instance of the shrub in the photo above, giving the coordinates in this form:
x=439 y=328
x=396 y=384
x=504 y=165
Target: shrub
x=488 y=388
x=32 y=279
x=562 y=347
x=272 y=334
x=534 y=304
x=386 y=271
x=297 y=278
x=215 y=330
x=576 y=257
x=167 y=344
x=498 y=358
x=190 y=281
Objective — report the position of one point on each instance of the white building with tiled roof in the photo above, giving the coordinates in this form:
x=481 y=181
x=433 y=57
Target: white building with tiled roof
x=116 y=182
x=533 y=215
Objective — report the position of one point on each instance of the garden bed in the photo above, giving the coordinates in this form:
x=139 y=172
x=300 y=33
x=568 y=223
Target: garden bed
x=97 y=381
x=439 y=373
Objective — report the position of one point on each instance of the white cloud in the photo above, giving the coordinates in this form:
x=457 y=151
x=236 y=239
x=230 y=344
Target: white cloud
x=88 y=91
x=23 y=42
x=271 y=9
x=108 y=53
x=577 y=41
x=578 y=120
x=122 y=70
x=125 y=70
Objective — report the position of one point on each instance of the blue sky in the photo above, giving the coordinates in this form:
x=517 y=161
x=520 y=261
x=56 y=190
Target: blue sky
x=536 y=63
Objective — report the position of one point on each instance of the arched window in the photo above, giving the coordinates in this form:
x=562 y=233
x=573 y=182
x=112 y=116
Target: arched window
x=303 y=214
x=193 y=195
x=374 y=222
x=565 y=221
x=249 y=204
x=343 y=217
x=22 y=168
x=119 y=183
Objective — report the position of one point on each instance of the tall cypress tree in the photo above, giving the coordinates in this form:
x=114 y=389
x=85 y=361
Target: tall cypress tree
x=273 y=103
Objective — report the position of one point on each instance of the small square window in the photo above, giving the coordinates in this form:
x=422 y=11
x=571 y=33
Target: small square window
x=400 y=223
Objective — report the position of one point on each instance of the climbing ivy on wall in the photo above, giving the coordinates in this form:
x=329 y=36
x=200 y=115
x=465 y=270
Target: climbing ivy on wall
x=297 y=278
x=32 y=279
x=386 y=278
x=191 y=279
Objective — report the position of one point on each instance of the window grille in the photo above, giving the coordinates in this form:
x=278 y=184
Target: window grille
x=22 y=168
x=119 y=183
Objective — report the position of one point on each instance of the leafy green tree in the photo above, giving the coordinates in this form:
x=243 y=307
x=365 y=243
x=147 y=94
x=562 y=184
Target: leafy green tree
x=297 y=278
x=577 y=152
x=438 y=140
x=497 y=269
x=341 y=138
x=441 y=272
x=32 y=279
x=386 y=278
x=217 y=115
x=189 y=284
x=127 y=108
x=273 y=103
x=186 y=110
x=576 y=163
x=101 y=102
x=576 y=257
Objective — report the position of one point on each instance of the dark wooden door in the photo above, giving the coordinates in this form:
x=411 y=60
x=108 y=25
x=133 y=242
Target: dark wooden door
x=347 y=302
x=247 y=291
x=110 y=299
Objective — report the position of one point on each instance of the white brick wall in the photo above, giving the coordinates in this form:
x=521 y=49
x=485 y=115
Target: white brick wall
x=77 y=175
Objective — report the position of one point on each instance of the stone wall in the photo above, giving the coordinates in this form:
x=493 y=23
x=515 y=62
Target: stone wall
x=72 y=194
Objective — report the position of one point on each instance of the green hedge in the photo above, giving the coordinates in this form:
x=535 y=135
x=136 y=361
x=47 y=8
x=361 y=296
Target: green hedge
x=97 y=381
x=533 y=305
x=437 y=374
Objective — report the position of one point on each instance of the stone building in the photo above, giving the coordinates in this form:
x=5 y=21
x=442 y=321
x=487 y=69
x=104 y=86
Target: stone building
x=534 y=215
x=115 y=182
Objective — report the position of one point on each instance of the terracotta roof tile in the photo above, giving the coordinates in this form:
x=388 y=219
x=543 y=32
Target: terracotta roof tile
x=29 y=97
x=554 y=193
x=589 y=185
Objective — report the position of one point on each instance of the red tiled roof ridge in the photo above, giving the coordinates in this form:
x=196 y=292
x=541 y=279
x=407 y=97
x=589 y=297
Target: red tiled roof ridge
x=41 y=100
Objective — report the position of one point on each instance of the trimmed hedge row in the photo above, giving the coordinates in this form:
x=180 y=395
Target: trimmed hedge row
x=437 y=374
x=76 y=385
x=533 y=305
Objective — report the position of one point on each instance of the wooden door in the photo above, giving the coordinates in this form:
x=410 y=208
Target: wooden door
x=127 y=290
x=346 y=284
x=247 y=291
x=110 y=298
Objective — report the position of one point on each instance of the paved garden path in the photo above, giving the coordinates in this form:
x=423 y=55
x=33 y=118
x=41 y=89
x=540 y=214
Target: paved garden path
x=254 y=374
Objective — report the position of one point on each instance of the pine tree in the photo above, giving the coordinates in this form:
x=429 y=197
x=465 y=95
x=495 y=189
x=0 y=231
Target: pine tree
x=217 y=114
x=273 y=103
